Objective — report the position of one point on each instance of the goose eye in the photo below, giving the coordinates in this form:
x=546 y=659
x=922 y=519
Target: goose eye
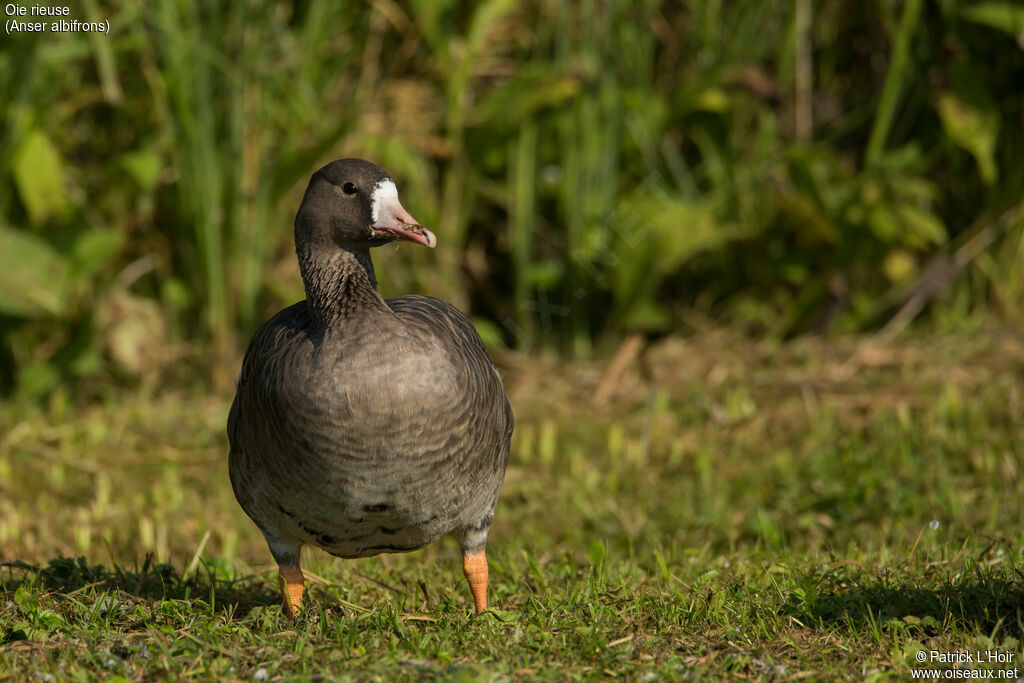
x=349 y=188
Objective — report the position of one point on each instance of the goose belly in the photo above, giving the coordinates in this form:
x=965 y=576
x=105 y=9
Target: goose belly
x=355 y=506
x=360 y=472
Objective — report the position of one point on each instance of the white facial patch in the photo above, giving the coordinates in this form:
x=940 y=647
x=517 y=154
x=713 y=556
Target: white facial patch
x=385 y=189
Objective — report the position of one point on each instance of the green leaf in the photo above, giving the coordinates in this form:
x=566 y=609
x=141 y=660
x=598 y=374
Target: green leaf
x=39 y=176
x=49 y=619
x=884 y=223
x=910 y=650
x=1004 y=16
x=25 y=599
x=767 y=530
x=34 y=279
x=35 y=380
x=973 y=129
x=662 y=566
x=656 y=234
x=672 y=228
x=486 y=18
x=489 y=333
x=432 y=17
x=144 y=166
x=502 y=616
x=545 y=274
x=920 y=228
x=93 y=249
x=647 y=316
x=714 y=100
x=508 y=104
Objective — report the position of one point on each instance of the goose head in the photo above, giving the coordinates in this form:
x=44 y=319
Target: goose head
x=353 y=204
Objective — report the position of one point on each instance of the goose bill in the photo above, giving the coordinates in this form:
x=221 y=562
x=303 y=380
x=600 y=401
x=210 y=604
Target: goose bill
x=393 y=218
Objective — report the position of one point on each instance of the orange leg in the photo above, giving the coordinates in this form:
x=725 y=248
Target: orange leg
x=292 y=585
x=474 y=566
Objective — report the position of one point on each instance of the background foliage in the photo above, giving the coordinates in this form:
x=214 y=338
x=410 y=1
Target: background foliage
x=589 y=168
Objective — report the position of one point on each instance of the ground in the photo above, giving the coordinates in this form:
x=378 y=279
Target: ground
x=705 y=507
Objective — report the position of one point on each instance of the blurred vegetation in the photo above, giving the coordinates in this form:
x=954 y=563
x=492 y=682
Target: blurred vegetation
x=589 y=168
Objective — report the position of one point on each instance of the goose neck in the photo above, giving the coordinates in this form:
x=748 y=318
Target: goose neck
x=338 y=281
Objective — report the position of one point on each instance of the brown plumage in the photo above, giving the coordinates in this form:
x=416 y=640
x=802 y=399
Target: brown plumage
x=361 y=425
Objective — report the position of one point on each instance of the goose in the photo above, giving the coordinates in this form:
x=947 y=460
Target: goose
x=363 y=425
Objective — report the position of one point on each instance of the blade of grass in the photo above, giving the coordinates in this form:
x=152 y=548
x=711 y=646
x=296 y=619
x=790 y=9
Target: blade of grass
x=188 y=70
x=523 y=219
x=894 y=77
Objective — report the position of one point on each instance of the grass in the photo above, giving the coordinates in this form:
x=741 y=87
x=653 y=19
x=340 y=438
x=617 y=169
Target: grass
x=725 y=509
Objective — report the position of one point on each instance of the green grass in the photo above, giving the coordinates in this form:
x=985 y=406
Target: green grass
x=734 y=509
